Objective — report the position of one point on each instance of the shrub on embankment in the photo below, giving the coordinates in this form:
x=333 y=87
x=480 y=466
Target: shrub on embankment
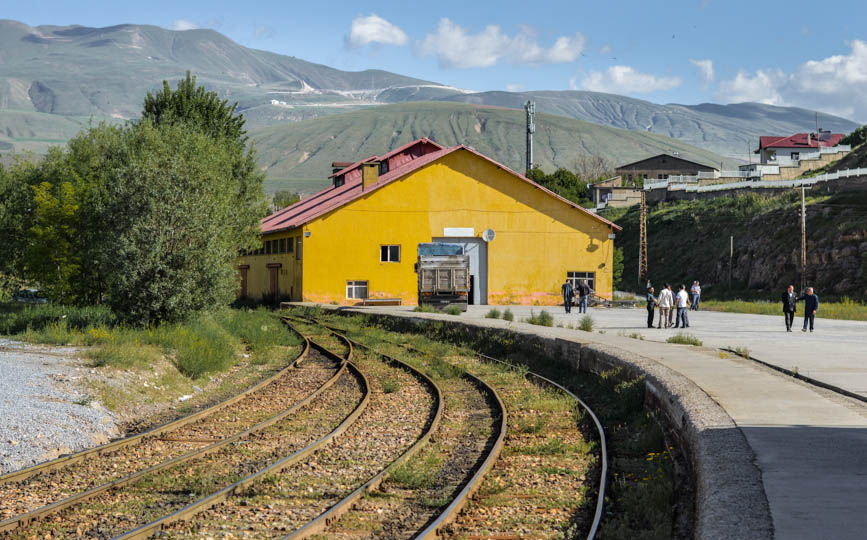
x=690 y=240
x=206 y=343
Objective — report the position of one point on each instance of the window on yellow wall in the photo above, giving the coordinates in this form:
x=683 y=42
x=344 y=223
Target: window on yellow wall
x=576 y=277
x=268 y=247
x=389 y=253
x=298 y=249
x=290 y=242
x=356 y=289
x=282 y=245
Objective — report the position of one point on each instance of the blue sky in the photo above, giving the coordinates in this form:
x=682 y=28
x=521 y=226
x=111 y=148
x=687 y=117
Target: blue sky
x=797 y=53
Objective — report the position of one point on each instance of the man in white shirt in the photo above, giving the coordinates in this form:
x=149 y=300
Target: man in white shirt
x=665 y=302
x=682 y=306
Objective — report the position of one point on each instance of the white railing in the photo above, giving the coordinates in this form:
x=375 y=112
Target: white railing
x=683 y=178
x=738 y=174
x=708 y=174
x=655 y=185
x=848 y=173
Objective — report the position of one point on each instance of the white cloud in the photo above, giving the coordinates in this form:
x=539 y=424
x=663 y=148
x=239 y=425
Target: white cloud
x=605 y=49
x=514 y=87
x=455 y=47
x=626 y=80
x=705 y=70
x=183 y=24
x=837 y=85
x=375 y=29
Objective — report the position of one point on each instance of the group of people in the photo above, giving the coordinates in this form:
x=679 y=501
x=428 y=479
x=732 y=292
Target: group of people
x=672 y=306
x=790 y=306
x=582 y=291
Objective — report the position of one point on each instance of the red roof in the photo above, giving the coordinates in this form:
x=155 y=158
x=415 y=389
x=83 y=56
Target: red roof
x=424 y=141
x=799 y=140
x=332 y=197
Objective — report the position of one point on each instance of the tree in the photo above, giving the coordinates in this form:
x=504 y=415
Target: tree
x=617 y=268
x=178 y=221
x=16 y=210
x=562 y=182
x=284 y=198
x=857 y=137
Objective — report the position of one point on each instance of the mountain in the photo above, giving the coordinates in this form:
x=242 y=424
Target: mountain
x=724 y=129
x=307 y=149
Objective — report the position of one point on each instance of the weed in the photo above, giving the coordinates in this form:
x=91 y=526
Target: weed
x=493 y=314
x=453 y=310
x=390 y=386
x=508 y=315
x=124 y=354
x=586 y=323
x=418 y=473
x=542 y=319
x=424 y=308
x=84 y=400
x=684 y=339
x=794 y=371
x=742 y=352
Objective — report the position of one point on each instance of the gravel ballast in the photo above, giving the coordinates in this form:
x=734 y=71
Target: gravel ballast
x=44 y=412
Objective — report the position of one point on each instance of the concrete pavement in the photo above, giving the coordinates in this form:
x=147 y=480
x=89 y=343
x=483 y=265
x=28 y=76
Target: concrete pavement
x=809 y=443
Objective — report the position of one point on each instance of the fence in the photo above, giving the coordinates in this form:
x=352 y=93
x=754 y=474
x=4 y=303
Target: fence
x=756 y=183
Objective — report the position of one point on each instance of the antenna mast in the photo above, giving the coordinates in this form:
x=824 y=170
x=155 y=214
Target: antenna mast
x=530 y=107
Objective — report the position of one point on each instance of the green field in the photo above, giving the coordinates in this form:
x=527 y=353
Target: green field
x=846 y=310
x=302 y=186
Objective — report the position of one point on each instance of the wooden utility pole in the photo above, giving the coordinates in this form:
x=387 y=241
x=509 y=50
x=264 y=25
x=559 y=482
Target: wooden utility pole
x=731 y=258
x=642 y=240
x=803 y=240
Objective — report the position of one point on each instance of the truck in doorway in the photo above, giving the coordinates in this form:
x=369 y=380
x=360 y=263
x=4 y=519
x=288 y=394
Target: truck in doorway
x=443 y=275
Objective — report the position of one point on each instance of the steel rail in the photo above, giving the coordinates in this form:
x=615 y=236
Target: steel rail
x=603 y=476
x=145 y=531
x=40 y=513
x=450 y=513
x=70 y=459
x=321 y=522
x=603 y=480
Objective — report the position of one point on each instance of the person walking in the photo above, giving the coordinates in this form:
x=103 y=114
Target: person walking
x=682 y=321
x=584 y=291
x=568 y=295
x=811 y=306
x=673 y=310
x=651 y=305
x=790 y=306
x=696 y=295
x=665 y=301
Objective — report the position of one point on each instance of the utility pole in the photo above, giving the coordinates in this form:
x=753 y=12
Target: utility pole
x=803 y=240
x=642 y=241
x=731 y=259
x=530 y=107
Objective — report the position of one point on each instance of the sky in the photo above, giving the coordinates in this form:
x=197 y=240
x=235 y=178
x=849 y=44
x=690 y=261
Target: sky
x=796 y=53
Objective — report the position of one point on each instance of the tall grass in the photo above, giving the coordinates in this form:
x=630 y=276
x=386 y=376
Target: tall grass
x=846 y=309
x=542 y=319
x=16 y=318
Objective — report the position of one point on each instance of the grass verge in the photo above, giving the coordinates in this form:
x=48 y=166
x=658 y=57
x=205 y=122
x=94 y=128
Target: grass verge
x=846 y=309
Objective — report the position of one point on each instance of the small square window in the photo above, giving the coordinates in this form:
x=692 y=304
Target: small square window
x=389 y=253
x=356 y=289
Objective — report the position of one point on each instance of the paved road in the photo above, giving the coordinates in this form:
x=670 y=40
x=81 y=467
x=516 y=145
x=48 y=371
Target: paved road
x=809 y=443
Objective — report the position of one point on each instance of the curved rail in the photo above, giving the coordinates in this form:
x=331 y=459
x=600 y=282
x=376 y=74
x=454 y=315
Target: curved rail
x=70 y=459
x=321 y=522
x=40 y=513
x=473 y=484
x=203 y=504
x=603 y=480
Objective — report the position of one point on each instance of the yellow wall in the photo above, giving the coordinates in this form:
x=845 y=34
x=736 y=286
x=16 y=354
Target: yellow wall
x=289 y=274
x=538 y=237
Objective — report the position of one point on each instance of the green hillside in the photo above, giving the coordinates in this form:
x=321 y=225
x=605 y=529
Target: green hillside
x=307 y=149
x=724 y=129
x=691 y=240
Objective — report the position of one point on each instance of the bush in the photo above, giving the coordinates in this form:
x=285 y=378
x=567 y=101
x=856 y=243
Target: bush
x=453 y=310
x=586 y=323
x=508 y=315
x=16 y=318
x=493 y=314
x=542 y=319
x=684 y=339
x=424 y=308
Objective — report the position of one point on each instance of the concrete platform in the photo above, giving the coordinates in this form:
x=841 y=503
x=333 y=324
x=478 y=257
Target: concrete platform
x=809 y=443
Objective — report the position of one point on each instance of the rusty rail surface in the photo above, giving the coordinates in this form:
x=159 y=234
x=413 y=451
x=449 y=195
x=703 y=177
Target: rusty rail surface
x=321 y=522
x=40 y=513
x=203 y=504
x=70 y=459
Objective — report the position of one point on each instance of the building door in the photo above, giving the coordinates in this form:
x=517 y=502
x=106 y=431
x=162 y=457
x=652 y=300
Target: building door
x=243 y=270
x=477 y=249
x=274 y=281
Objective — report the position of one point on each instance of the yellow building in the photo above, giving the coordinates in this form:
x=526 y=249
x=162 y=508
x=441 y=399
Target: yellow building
x=358 y=238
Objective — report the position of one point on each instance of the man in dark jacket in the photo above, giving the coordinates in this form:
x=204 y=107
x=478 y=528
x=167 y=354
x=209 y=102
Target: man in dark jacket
x=584 y=292
x=568 y=295
x=651 y=305
x=790 y=306
x=811 y=306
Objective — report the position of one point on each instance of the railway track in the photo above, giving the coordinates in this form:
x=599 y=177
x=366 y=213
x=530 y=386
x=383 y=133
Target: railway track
x=74 y=516
x=475 y=524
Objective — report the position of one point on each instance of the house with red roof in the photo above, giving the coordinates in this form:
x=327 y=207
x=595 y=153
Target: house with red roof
x=786 y=151
x=357 y=239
